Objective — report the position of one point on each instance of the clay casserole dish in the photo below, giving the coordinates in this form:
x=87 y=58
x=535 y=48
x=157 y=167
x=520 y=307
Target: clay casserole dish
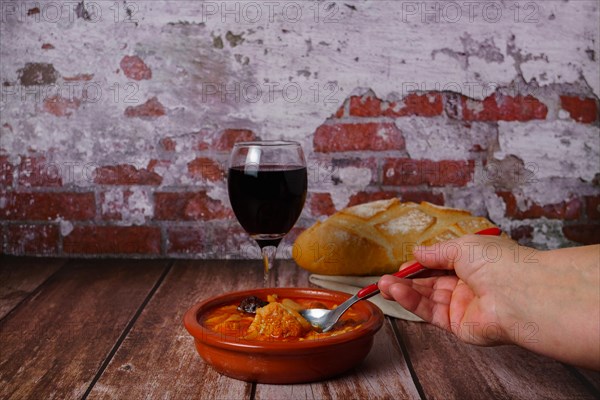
x=279 y=361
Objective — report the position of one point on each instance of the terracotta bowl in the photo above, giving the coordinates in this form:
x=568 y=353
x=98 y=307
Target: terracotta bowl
x=283 y=362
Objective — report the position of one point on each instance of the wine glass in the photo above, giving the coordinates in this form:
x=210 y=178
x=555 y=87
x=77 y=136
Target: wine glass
x=267 y=184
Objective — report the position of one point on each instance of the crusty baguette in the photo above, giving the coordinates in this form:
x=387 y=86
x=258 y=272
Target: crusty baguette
x=376 y=238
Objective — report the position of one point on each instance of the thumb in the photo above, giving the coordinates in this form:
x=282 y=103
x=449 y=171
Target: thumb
x=438 y=256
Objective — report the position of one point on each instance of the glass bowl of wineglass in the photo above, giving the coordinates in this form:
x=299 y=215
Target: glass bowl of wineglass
x=267 y=183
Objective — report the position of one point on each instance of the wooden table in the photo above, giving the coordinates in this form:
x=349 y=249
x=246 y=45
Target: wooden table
x=111 y=329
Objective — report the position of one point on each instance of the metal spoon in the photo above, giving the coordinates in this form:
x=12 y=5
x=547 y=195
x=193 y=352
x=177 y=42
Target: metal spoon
x=324 y=319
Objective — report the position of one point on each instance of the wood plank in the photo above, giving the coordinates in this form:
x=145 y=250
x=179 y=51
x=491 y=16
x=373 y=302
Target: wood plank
x=384 y=374
x=20 y=276
x=448 y=368
x=55 y=342
x=158 y=359
x=592 y=378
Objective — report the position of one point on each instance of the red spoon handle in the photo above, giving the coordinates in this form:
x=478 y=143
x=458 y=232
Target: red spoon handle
x=415 y=268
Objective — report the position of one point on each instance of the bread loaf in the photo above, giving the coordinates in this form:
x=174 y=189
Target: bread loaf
x=376 y=238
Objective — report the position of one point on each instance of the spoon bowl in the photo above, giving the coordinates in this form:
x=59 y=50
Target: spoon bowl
x=325 y=320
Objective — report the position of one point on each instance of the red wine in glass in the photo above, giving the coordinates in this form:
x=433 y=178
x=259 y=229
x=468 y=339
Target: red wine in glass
x=267 y=184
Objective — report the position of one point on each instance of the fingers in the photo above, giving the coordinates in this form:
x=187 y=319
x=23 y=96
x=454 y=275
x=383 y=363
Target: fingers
x=413 y=301
x=428 y=298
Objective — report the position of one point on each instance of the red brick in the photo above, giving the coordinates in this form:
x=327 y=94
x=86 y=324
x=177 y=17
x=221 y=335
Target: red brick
x=150 y=109
x=153 y=163
x=419 y=196
x=48 y=206
x=566 y=210
x=60 y=106
x=205 y=168
x=365 y=106
x=168 y=144
x=125 y=174
x=499 y=107
x=522 y=233
x=79 y=78
x=194 y=206
x=592 y=205
x=113 y=240
x=425 y=105
x=367 y=197
x=510 y=202
x=415 y=197
x=321 y=204
x=229 y=137
x=24 y=239
x=185 y=240
x=583 y=110
x=584 y=233
x=572 y=209
x=47 y=46
x=35 y=171
x=134 y=67
x=6 y=172
x=408 y=172
x=357 y=137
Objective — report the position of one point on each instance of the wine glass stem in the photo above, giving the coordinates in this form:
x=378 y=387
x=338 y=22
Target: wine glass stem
x=268 y=254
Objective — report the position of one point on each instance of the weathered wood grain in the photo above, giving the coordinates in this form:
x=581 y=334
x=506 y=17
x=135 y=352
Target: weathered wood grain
x=382 y=375
x=592 y=378
x=157 y=359
x=56 y=341
x=19 y=277
x=447 y=368
x=114 y=327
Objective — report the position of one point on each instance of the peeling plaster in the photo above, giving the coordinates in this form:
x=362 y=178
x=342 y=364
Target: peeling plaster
x=187 y=67
x=496 y=208
x=553 y=190
x=66 y=227
x=283 y=79
x=567 y=150
x=548 y=234
x=218 y=192
x=439 y=139
x=345 y=182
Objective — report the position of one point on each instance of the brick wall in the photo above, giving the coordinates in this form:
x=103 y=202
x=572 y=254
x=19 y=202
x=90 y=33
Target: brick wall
x=117 y=122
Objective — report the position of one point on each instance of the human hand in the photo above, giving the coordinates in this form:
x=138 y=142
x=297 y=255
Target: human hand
x=466 y=300
x=499 y=292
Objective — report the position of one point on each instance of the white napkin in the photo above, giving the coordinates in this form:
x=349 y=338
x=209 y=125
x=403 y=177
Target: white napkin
x=352 y=284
